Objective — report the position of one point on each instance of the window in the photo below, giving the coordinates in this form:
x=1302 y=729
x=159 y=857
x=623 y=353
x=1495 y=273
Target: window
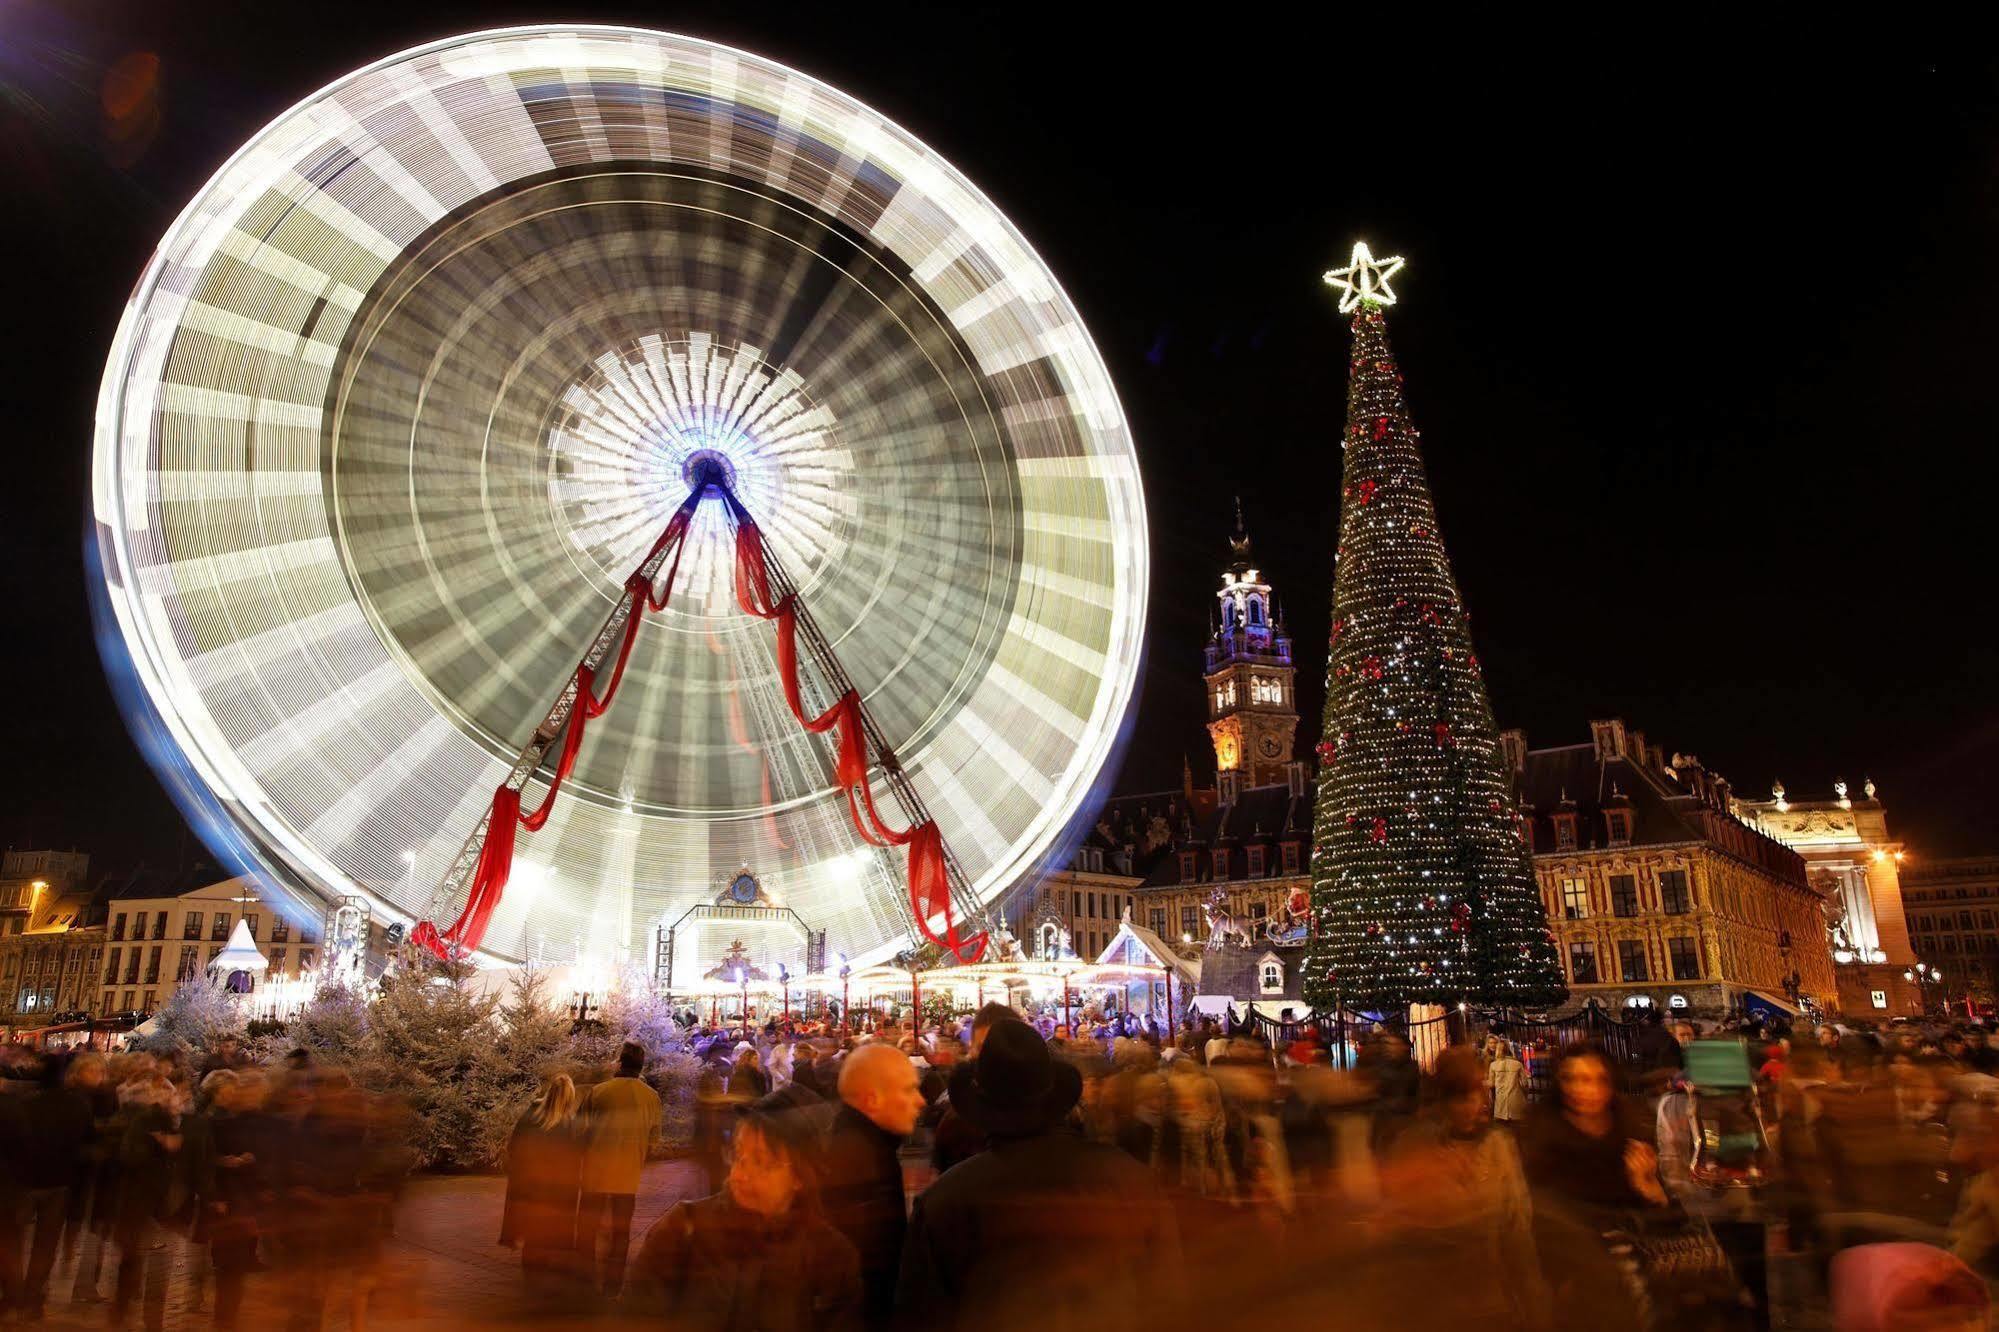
x=1683 y=952
x=1255 y=869
x=1263 y=689
x=184 y=970
x=1158 y=918
x=1290 y=857
x=130 y=997
x=281 y=930
x=159 y=925
x=1092 y=898
x=1985 y=919
x=132 y=966
x=1221 y=860
x=304 y=959
x=1186 y=867
x=191 y=927
x=1565 y=832
x=111 y=971
x=214 y=953
x=1273 y=978
x=1258 y=911
x=1618 y=823
x=152 y=965
x=118 y=926
x=1075 y=904
x=221 y=927
x=250 y=920
x=1631 y=959
x=1575 y=899
x=1225 y=695
x=1256 y=610
x=1673 y=892
x=1623 y=895
x=1190 y=919
x=1582 y=962
x=277 y=962
x=1949 y=944
x=1923 y=923
x=147 y=1004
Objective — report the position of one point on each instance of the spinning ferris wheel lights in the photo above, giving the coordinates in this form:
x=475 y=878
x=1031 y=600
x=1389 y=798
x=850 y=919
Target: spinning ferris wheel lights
x=415 y=382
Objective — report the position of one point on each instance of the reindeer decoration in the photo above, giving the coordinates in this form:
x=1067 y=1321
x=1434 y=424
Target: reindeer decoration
x=1222 y=927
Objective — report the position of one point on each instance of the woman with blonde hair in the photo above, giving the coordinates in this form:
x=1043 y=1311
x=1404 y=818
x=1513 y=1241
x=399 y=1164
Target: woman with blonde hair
x=544 y=1177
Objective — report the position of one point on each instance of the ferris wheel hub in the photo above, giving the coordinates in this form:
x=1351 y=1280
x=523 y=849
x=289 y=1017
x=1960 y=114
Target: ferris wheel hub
x=708 y=468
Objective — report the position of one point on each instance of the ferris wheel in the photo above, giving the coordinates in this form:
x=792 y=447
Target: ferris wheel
x=551 y=469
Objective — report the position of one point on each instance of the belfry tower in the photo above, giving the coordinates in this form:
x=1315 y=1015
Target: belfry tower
x=1252 y=705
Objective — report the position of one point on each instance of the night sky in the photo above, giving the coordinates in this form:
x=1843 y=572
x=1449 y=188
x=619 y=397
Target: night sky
x=1699 y=332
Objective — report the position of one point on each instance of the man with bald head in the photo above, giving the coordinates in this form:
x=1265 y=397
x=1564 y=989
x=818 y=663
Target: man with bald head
x=879 y=1103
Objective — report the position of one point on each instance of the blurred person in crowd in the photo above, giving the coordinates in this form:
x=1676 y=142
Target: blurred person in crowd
x=148 y=1151
x=1133 y=1100
x=1197 y=1128
x=747 y=1079
x=757 y=1256
x=1506 y=1076
x=55 y=1128
x=544 y=1183
x=621 y=1119
x=1455 y=1199
x=1386 y=1061
x=1018 y=1235
x=88 y=1223
x=863 y=1191
x=1722 y=1124
x=1591 y=1169
x=955 y=1139
x=224 y=1139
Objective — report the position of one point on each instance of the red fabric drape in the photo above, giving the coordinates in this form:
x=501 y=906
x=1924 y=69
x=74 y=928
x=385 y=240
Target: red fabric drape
x=929 y=876
x=496 y=853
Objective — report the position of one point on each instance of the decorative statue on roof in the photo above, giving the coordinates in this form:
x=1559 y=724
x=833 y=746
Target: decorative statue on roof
x=1222 y=927
x=1002 y=946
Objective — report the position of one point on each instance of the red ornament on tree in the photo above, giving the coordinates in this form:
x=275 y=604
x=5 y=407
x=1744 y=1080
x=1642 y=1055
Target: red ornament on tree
x=1370 y=668
x=1381 y=427
x=1366 y=490
x=1379 y=833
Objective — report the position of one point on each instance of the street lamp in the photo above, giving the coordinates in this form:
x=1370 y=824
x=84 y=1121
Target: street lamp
x=1925 y=976
x=846 y=1014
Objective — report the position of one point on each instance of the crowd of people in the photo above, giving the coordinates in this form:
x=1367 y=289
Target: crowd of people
x=991 y=1174
x=291 y=1169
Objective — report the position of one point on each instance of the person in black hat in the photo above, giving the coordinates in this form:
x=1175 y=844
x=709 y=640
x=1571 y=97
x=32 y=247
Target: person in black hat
x=1014 y=1236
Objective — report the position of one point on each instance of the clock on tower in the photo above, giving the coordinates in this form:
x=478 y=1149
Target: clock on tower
x=1252 y=706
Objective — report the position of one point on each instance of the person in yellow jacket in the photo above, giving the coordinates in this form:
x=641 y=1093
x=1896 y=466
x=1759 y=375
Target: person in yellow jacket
x=620 y=1119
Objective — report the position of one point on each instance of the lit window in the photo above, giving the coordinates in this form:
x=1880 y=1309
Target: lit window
x=1575 y=899
x=1273 y=978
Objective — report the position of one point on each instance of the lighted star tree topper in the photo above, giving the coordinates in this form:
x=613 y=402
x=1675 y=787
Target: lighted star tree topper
x=1423 y=889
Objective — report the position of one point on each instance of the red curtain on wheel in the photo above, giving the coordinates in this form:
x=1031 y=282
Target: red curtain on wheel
x=929 y=871
x=496 y=854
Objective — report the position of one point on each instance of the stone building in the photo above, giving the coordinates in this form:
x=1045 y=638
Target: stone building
x=1855 y=867
x=1953 y=919
x=1658 y=894
x=28 y=878
x=51 y=952
x=158 y=936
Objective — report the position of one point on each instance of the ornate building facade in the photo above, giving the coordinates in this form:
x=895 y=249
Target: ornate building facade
x=1657 y=893
x=1855 y=866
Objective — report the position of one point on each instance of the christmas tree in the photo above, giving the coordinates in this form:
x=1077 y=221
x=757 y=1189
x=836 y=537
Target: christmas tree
x=1423 y=890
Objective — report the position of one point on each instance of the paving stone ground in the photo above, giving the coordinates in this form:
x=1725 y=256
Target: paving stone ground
x=440 y=1269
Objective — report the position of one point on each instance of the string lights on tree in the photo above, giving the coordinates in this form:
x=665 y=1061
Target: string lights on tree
x=1423 y=889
